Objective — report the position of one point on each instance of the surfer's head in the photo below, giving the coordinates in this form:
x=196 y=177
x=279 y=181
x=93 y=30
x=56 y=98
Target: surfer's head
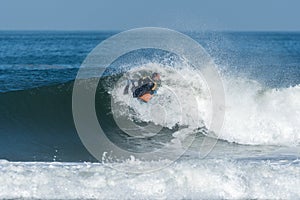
x=156 y=76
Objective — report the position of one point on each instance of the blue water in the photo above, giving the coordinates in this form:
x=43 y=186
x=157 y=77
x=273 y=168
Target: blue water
x=256 y=157
x=53 y=57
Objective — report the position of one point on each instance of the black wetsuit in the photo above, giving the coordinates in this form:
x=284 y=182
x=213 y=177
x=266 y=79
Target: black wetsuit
x=145 y=85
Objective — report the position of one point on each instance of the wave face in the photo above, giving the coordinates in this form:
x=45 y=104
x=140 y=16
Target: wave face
x=37 y=123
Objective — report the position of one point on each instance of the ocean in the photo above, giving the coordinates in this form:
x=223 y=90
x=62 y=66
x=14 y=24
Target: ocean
x=256 y=156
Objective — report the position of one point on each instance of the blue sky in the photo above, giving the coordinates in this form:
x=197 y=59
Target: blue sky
x=272 y=15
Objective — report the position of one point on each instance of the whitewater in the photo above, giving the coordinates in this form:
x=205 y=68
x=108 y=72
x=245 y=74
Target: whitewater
x=217 y=178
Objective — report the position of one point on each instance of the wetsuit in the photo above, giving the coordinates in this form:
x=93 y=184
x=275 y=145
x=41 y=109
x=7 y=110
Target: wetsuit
x=145 y=85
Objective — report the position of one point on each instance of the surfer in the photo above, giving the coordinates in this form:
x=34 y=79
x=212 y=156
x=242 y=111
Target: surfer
x=146 y=87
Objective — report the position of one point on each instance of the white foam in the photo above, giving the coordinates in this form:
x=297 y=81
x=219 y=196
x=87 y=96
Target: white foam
x=191 y=179
x=253 y=114
x=183 y=98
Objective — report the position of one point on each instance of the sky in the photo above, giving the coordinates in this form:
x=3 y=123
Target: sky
x=239 y=15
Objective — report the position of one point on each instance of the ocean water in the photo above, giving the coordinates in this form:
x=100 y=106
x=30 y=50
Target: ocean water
x=256 y=155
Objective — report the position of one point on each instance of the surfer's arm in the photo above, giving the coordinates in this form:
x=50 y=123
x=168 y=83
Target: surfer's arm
x=154 y=88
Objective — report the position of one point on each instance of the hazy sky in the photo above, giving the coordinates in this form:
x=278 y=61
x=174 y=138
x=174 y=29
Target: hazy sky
x=282 y=15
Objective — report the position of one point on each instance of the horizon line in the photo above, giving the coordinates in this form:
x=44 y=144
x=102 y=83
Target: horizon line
x=115 y=30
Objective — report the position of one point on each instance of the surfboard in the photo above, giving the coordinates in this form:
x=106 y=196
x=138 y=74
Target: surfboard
x=146 y=97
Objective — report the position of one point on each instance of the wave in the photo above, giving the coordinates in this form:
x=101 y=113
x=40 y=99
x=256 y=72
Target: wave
x=37 y=123
x=186 y=179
